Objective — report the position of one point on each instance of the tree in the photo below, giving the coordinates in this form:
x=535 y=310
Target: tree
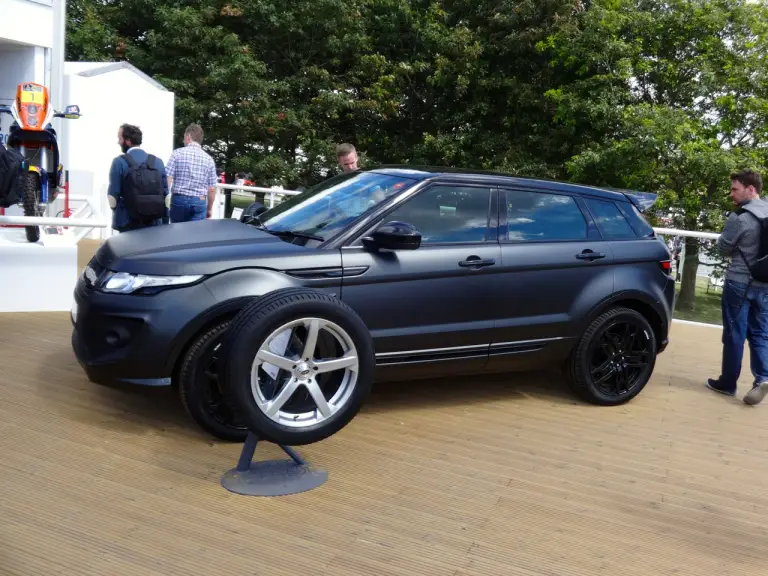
x=679 y=90
x=277 y=84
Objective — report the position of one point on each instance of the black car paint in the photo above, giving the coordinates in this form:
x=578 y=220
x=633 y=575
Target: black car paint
x=529 y=305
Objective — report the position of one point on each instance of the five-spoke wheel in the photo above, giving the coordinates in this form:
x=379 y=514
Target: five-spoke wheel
x=306 y=370
x=298 y=365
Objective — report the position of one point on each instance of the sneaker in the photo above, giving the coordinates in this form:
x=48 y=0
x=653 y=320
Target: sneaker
x=715 y=385
x=756 y=395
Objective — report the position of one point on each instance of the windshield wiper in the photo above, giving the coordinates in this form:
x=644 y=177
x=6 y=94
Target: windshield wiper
x=255 y=220
x=295 y=234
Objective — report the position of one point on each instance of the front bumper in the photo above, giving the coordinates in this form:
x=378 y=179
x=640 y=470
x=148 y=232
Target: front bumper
x=120 y=338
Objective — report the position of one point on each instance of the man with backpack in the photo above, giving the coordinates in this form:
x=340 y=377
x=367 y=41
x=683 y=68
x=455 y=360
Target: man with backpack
x=138 y=187
x=745 y=292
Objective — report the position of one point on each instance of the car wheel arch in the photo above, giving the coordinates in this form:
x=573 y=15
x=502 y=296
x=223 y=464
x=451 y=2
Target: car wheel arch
x=635 y=301
x=205 y=321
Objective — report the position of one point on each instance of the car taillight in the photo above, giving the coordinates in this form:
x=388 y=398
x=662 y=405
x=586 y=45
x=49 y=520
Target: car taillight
x=666 y=266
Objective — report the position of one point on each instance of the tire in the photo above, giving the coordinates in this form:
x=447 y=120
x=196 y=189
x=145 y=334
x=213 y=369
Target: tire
x=282 y=406
x=32 y=204
x=252 y=211
x=602 y=353
x=200 y=391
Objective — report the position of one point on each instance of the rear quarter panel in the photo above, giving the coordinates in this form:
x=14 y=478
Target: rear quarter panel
x=639 y=276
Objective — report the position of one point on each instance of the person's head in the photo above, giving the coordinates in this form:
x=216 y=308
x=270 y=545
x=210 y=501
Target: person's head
x=128 y=136
x=193 y=133
x=745 y=185
x=346 y=156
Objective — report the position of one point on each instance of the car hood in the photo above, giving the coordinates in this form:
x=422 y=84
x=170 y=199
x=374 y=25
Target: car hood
x=200 y=247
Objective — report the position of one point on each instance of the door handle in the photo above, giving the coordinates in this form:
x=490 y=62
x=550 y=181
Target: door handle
x=477 y=262
x=589 y=255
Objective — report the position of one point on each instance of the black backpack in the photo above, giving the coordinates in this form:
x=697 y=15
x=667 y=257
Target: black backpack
x=759 y=269
x=12 y=169
x=143 y=191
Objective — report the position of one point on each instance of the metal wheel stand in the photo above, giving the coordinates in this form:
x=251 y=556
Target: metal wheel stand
x=271 y=477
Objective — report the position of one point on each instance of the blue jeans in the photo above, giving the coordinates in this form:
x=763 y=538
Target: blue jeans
x=745 y=316
x=188 y=208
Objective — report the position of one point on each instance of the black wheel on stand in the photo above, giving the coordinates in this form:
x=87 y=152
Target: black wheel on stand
x=200 y=391
x=32 y=204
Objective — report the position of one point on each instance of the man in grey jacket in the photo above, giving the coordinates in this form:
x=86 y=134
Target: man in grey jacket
x=745 y=300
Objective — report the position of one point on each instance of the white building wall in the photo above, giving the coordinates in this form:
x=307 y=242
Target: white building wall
x=19 y=64
x=28 y=22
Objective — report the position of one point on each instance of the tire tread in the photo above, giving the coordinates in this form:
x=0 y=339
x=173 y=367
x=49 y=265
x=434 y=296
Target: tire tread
x=187 y=365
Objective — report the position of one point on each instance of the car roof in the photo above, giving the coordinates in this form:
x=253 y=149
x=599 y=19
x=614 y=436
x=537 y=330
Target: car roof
x=439 y=173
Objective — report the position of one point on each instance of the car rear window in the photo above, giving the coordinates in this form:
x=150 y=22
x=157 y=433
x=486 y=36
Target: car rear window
x=610 y=220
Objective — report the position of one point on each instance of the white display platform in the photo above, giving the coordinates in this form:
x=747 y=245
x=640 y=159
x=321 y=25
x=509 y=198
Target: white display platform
x=36 y=277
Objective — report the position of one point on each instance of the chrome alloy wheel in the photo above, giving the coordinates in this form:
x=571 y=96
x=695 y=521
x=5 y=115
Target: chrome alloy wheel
x=286 y=367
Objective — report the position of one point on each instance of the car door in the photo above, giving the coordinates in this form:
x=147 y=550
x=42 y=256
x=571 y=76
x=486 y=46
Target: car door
x=555 y=267
x=429 y=309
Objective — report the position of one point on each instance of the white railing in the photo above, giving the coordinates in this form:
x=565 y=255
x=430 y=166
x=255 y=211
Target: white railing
x=713 y=283
x=270 y=193
x=85 y=218
x=687 y=233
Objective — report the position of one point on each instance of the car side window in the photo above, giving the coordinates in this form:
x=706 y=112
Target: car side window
x=447 y=214
x=541 y=217
x=610 y=221
x=636 y=219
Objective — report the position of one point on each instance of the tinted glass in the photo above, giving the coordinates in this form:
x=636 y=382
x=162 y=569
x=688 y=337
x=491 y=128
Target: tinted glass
x=636 y=219
x=330 y=206
x=447 y=214
x=610 y=221
x=535 y=216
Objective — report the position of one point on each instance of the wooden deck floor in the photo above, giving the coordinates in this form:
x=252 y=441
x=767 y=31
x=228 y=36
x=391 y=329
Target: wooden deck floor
x=501 y=476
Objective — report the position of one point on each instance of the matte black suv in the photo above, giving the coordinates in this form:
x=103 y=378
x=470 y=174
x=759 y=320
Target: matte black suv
x=280 y=324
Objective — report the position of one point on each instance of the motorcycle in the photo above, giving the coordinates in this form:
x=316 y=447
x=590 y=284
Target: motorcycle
x=33 y=136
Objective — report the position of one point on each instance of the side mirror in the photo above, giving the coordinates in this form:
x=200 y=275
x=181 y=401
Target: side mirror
x=72 y=112
x=394 y=236
x=252 y=211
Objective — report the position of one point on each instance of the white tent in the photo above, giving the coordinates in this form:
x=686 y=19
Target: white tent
x=110 y=94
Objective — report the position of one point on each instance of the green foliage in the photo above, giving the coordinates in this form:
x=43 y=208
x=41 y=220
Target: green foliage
x=277 y=84
x=677 y=93
x=666 y=97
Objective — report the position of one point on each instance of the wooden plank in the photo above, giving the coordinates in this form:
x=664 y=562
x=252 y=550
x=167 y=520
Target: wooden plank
x=507 y=475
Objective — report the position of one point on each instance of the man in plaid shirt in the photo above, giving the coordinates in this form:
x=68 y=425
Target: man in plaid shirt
x=192 y=179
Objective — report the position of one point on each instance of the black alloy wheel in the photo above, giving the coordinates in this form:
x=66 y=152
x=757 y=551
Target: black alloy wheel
x=620 y=357
x=614 y=358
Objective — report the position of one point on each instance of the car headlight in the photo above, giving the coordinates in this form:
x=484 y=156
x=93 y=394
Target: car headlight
x=125 y=283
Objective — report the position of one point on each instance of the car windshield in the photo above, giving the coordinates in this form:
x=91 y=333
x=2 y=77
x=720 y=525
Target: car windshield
x=326 y=209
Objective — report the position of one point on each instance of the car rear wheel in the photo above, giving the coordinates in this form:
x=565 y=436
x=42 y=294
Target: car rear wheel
x=298 y=365
x=614 y=358
x=200 y=390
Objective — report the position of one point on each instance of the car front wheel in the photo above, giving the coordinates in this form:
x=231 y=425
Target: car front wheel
x=298 y=365
x=200 y=391
x=614 y=359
